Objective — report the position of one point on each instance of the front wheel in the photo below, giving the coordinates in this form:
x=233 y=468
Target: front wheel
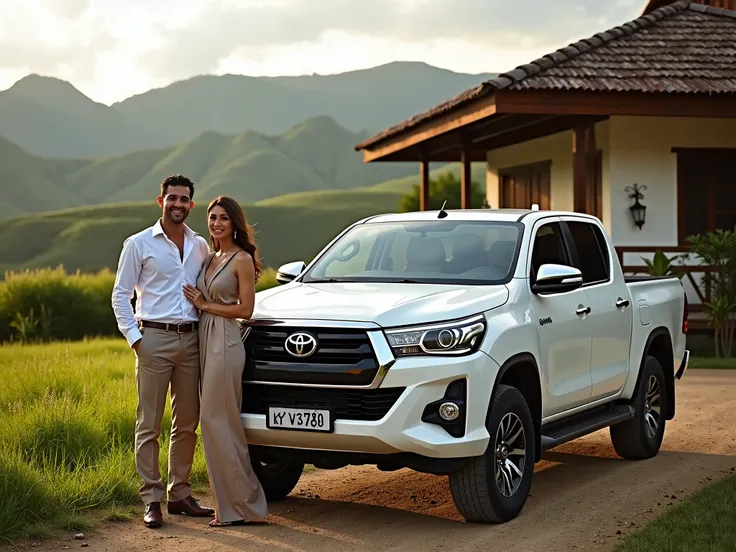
x=493 y=488
x=641 y=437
x=278 y=477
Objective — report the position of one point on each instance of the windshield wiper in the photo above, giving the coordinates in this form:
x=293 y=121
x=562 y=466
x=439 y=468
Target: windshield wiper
x=323 y=281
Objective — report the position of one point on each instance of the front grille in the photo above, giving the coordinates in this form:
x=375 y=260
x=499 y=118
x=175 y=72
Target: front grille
x=343 y=357
x=345 y=404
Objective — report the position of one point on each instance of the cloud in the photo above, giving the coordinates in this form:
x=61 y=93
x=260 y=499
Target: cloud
x=221 y=26
x=52 y=36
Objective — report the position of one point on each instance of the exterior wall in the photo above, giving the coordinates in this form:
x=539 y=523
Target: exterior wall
x=641 y=152
x=635 y=150
x=557 y=148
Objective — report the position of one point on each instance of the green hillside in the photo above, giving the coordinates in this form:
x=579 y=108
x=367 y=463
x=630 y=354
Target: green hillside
x=26 y=185
x=316 y=154
x=49 y=117
x=288 y=228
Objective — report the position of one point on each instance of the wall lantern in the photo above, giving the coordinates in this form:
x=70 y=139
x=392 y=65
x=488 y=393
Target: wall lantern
x=638 y=211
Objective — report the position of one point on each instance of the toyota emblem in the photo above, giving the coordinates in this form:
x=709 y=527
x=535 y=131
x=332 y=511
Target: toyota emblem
x=300 y=345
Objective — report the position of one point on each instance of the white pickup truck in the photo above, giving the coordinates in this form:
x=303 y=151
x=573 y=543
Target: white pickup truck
x=463 y=343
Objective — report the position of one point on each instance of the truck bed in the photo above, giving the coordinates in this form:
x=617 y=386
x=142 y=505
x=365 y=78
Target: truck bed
x=645 y=278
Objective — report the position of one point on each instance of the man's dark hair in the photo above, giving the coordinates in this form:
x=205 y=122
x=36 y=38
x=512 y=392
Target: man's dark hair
x=177 y=180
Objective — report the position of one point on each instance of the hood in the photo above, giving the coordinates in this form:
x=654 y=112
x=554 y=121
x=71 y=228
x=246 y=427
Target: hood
x=386 y=304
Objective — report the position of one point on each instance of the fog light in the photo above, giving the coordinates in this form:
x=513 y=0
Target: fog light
x=449 y=411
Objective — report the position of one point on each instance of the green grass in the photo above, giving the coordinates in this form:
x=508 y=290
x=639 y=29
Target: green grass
x=713 y=362
x=66 y=441
x=702 y=523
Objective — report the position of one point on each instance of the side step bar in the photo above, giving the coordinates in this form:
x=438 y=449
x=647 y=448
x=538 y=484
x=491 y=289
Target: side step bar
x=562 y=431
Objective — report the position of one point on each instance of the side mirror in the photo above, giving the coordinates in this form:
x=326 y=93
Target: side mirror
x=286 y=273
x=554 y=278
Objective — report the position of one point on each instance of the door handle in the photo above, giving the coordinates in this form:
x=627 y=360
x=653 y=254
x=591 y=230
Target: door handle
x=621 y=303
x=582 y=310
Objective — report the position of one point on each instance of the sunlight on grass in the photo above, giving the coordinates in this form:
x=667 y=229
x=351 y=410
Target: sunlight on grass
x=713 y=363
x=66 y=442
x=705 y=521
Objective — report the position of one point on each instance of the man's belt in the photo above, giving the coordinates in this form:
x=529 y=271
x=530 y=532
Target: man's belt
x=178 y=328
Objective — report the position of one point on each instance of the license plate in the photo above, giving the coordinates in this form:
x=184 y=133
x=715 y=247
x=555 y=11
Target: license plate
x=299 y=419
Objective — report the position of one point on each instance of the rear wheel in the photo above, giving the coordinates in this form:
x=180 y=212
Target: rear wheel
x=493 y=488
x=278 y=477
x=641 y=437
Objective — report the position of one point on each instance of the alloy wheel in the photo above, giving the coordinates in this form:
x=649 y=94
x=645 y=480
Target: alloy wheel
x=510 y=454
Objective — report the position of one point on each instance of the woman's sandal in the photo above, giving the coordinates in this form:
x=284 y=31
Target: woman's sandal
x=216 y=523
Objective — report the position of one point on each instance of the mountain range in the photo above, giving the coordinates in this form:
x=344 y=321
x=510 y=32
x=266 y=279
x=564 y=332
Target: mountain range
x=316 y=154
x=48 y=117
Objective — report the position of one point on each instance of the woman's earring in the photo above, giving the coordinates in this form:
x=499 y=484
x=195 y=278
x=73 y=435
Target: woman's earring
x=235 y=235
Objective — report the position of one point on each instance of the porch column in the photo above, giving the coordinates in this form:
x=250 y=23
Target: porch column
x=424 y=185
x=465 y=177
x=583 y=146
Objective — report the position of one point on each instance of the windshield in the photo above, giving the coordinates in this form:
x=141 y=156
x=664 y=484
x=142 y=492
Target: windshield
x=467 y=252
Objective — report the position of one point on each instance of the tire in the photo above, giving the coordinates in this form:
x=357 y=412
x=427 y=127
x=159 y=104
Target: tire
x=278 y=477
x=477 y=495
x=641 y=437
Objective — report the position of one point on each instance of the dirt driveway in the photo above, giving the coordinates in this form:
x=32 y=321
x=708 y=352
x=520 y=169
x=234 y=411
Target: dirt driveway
x=582 y=497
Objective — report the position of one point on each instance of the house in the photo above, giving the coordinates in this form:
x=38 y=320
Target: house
x=644 y=111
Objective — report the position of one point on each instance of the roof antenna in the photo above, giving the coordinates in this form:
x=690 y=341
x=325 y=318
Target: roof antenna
x=442 y=214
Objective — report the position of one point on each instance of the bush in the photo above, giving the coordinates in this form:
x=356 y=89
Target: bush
x=46 y=304
x=718 y=250
x=49 y=304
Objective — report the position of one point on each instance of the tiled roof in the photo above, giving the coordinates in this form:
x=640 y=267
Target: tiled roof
x=684 y=48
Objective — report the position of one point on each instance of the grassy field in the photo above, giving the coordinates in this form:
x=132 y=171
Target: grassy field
x=66 y=442
x=704 y=522
x=290 y=227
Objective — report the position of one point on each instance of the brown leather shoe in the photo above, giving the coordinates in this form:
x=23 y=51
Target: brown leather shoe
x=189 y=507
x=152 y=515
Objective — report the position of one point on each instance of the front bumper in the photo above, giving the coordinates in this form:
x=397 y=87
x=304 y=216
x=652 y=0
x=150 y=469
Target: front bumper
x=401 y=429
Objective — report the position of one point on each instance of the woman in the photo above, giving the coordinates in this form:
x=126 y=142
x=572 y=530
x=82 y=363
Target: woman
x=226 y=291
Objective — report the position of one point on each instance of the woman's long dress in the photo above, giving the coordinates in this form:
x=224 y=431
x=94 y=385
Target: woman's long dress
x=235 y=488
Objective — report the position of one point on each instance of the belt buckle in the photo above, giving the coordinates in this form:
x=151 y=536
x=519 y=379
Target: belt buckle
x=178 y=328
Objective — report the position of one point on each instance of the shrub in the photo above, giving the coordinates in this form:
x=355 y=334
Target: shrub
x=46 y=304
x=49 y=304
x=718 y=250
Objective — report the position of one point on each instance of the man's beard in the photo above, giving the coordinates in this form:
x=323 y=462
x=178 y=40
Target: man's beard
x=177 y=217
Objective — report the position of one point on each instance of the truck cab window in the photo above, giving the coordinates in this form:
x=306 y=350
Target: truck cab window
x=549 y=248
x=590 y=245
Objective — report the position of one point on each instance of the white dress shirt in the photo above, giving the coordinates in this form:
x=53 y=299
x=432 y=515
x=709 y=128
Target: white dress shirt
x=151 y=266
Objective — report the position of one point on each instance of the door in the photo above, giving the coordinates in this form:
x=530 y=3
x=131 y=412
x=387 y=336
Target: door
x=564 y=335
x=705 y=185
x=522 y=186
x=610 y=317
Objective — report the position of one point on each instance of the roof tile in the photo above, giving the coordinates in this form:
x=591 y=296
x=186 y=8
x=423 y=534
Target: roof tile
x=516 y=75
x=544 y=62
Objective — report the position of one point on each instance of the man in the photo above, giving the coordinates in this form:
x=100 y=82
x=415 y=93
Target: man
x=155 y=264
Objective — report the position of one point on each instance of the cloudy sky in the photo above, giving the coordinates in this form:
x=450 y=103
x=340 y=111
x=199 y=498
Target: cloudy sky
x=112 y=49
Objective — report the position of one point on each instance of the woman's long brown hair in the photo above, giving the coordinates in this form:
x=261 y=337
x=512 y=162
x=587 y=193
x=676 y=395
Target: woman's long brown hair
x=244 y=235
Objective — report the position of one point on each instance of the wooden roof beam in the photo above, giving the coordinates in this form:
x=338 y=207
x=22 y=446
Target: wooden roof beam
x=577 y=102
x=454 y=120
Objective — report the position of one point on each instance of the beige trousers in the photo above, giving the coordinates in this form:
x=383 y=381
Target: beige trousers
x=166 y=358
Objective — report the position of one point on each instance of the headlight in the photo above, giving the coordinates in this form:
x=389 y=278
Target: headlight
x=459 y=337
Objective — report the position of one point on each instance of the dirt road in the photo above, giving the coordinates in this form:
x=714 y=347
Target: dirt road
x=581 y=497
